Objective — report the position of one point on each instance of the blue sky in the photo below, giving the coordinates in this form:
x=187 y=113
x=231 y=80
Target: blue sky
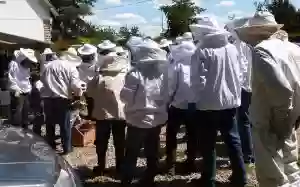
x=145 y=13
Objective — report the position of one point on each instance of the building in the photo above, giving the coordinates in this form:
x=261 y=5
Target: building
x=25 y=22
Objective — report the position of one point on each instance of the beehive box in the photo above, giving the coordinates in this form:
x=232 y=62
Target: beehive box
x=83 y=134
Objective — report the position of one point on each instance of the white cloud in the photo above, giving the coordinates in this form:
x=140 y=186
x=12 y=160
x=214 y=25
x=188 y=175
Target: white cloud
x=113 y=2
x=130 y=19
x=156 y=20
x=226 y=3
x=151 y=30
x=111 y=23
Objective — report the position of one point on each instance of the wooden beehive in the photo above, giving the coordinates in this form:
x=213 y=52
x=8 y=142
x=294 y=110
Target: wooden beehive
x=83 y=134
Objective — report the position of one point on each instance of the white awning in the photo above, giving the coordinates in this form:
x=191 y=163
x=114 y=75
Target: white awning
x=8 y=39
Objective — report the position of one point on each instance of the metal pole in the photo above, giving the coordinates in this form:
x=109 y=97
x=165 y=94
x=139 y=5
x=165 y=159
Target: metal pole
x=162 y=21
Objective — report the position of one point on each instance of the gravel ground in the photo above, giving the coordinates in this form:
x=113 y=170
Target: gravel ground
x=84 y=159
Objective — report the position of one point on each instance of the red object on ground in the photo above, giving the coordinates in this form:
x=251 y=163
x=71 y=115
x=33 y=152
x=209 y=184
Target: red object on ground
x=83 y=134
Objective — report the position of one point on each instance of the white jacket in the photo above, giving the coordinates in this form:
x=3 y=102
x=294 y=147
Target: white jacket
x=145 y=99
x=216 y=74
x=87 y=71
x=19 y=77
x=179 y=80
x=105 y=90
x=60 y=79
x=276 y=85
x=245 y=57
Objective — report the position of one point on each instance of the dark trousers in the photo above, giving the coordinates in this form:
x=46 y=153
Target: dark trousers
x=38 y=120
x=90 y=106
x=177 y=117
x=20 y=110
x=37 y=107
x=103 y=130
x=244 y=127
x=225 y=122
x=136 y=137
x=57 y=111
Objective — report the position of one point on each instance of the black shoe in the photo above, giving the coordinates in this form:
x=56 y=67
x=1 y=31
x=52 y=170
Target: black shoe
x=189 y=167
x=146 y=183
x=125 y=183
x=98 y=170
x=169 y=168
x=236 y=182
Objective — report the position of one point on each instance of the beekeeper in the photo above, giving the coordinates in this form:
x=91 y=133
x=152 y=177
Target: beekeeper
x=178 y=40
x=245 y=57
x=70 y=56
x=165 y=45
x=105 y=90
x=274 y=108
x=46 y=57
x=20 y=85
x=179 y=114
x=61 y=84
x=215 y=81
x=124 y=54
x=145 y=95
x=88 y=70
x=187 y=36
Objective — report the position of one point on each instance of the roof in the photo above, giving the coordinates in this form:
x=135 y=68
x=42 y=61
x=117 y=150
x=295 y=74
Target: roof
x=51 y=7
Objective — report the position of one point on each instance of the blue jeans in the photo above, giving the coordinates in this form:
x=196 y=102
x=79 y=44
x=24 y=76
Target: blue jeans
x=210 y=123
x=244 y=126
x=57 y=111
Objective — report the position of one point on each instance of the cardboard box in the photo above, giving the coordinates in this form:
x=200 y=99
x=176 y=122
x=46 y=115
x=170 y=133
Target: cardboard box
x=83 y=134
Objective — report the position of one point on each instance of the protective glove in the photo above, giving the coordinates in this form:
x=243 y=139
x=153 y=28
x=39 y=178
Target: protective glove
x=17 y=93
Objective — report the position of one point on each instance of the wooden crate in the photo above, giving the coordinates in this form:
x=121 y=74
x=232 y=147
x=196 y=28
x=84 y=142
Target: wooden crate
x=83 y=134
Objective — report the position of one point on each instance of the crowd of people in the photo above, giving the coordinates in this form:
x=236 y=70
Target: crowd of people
x=206 y=80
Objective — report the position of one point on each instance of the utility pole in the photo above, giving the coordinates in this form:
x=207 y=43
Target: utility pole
x=162 y=21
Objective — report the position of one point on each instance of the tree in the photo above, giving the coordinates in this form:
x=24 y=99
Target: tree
x=98 y=35
x=179 y=15
x=135 y=31
x=69 y=23
x=284 y=12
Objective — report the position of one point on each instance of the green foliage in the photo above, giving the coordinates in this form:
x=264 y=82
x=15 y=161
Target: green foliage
x=69 y=23
x=97 y=35
x=179 y=15
x=126 y=32
x=284 y=12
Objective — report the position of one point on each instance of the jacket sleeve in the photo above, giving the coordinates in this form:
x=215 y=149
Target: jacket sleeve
x=75 y=82
x=199 y=69
x=172 y=74
x=278 y=88
x=12 y=81
x=128 y=92
x=165 y=85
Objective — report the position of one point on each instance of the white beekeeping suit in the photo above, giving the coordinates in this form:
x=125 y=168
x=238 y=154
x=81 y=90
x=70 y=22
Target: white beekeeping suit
x=88 y=68
x=245 y=53
x=145 y=97
x=275 y=101
x=209 y=35
x=46 y=57
x=179 y=74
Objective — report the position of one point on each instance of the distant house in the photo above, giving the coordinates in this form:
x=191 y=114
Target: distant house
x=25 y=22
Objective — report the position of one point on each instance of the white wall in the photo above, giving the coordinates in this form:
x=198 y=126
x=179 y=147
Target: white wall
x=23 y=18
